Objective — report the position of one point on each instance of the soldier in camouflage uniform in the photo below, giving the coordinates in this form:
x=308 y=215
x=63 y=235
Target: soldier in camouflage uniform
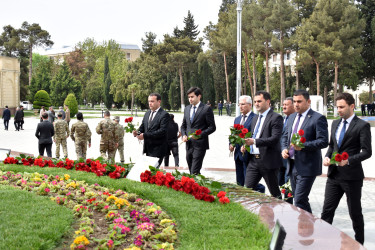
x=61 y=134
x=81 y=134
x=109 y=139
x=120 y=133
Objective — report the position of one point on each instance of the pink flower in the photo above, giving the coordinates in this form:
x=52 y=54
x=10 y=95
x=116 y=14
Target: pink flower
x=46 y=190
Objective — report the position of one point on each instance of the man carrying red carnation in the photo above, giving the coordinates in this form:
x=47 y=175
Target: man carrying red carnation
x=243 y=122
x=350 y=137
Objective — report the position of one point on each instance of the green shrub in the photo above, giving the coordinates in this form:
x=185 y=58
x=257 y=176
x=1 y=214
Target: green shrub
x=72 y=103
x=41 y=98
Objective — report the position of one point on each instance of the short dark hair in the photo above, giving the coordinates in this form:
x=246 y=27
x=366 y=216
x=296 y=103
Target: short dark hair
x=303 y=93
x=348 y=98
x=265 y=94
x=44 y=115
x=171 y=116
x=107 y=113
x=80 y=116
x=158 y=96
x=197 y=91
x=66 y=105
x=59 y=114
x=6 y=106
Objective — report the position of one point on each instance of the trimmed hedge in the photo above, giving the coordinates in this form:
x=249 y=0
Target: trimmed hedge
x=41 y=98
x=72 y=103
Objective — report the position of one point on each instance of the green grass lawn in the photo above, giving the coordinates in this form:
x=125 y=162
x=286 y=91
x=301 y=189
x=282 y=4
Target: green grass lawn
x=29 y=221
x=201 y=225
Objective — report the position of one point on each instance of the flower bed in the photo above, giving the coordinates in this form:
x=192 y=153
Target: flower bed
x=186 y=183
x=107 y=219
x=98 y=166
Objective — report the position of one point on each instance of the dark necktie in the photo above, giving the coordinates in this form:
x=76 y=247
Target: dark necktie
x=151 y=117
x=192 y=116
x=342 y=134
x=285 y=122
x=291 y=150
x=243 y=119
x=256 y=130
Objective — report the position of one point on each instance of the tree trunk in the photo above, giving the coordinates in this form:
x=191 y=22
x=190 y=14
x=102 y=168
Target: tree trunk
x=132 y=105
x=249 y=74
x=31 y=63
x=317 y=77
x=336 y=80
x=181 y=88
x=370 y=98
x=226 y=76
x=254 y=73
x=267 y=69
x=325 y=96
x=297 y=72
x=282 y=73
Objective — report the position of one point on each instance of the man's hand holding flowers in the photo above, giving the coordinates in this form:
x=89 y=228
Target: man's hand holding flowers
x=337 y=159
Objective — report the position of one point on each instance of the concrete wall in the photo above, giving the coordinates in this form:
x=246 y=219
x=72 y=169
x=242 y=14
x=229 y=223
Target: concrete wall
x=9 y=83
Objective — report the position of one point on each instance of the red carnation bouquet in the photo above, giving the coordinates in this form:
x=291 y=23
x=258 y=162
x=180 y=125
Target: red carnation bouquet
x=238 y=134
x=298 y=140
x=196 y=134
x=337 y=158
x=129 y=128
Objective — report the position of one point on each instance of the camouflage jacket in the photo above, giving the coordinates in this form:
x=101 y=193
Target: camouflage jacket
x=67 y=115
x=107 y=129
x=120 y=133
x=80 y=132
x=61 y=129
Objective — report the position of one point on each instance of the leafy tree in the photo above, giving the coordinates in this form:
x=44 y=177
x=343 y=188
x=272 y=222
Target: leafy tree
x=72 y=103
x=41 y=79
x=149 y=42
x=63 y=84
x=108 y=98
x=41 y=98
x=77 y=63
x=34 y=36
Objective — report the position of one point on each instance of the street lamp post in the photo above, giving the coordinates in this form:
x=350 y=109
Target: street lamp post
x=238 y=79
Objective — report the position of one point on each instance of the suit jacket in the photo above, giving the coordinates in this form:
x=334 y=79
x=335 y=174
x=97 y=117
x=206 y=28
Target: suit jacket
x=204 y=120
x=269 y=139
x=155 y=137
x=6 y=114
x=18 y=116
x=357 y=143
x=237 y=150
x=44 y=132
x=308 y=161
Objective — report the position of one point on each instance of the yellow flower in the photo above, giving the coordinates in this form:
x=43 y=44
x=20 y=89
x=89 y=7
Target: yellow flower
x=119 y=202
x=77 y=232
x=151 y=210
x=81 y=239
x=66 y=176
x=132 y=248
x=72 y=184
x=112 y=198
x=165 y=221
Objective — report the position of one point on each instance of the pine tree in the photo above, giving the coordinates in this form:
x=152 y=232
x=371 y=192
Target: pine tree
x=190 y=29
x=149 y=42
x=108 y=98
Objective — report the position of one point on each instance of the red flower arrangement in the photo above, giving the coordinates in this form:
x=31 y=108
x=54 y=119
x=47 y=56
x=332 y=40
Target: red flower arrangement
x=186 y=184
x=337 y=158
x=93 y=166
x=129 y=128
x=298 y=140
x=238 y=134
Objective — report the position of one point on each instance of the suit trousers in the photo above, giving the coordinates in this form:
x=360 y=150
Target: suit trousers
x=174 y=148
x=47 y=147
x=335 y=189
x=240 y=172
x=6 y=124
x=301 y=187
x=254 y=173
x=194 y=158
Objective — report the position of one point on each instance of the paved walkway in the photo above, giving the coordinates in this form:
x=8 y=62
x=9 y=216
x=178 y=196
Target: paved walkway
x=216 y=157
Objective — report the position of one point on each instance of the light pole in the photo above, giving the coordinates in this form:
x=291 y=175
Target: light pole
x=238 y=78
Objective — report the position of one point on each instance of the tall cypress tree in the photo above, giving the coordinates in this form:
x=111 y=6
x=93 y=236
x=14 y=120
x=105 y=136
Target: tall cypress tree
x=108 y=98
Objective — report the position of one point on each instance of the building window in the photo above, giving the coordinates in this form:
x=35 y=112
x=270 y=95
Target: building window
x=128 y=57
x=287 y=56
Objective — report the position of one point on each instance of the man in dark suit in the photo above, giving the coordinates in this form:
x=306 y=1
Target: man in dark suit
x=353 y=136
x=44 y=133
x=288 y=109
x=197 y=115
x=153 y=129
x=264 y=159
x=6 y=117
x=304 y=164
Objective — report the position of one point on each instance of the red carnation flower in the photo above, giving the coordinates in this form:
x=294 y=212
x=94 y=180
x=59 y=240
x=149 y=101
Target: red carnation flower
x=126 y=120
x=241 y=127
x=301 y=132
x=289 y=194
x=224 y=200
x=221 y=194
x=338 y=157
x=303 y=139
x=198 y=132
x=344 y=156
x=130 y=119
x=242 y=135
x=283 y=191
x=245 y=131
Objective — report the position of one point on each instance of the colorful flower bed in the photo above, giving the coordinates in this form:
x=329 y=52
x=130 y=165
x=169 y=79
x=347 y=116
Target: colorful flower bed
x=98 y=166
x=186 y=183
x=107 y=219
